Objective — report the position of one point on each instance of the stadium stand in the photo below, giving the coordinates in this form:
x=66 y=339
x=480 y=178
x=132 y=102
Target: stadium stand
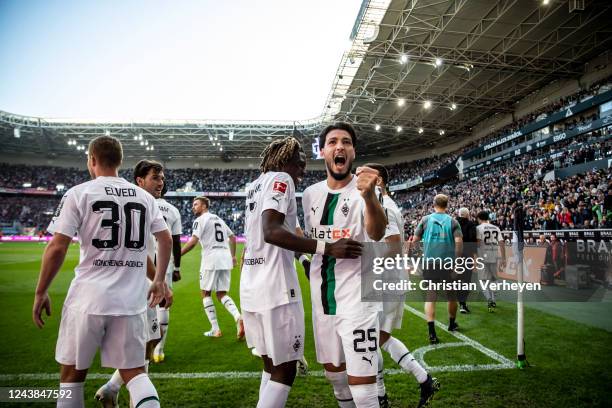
x=579 y=201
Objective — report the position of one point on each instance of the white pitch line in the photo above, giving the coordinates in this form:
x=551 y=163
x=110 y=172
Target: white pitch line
x=168 y=376
x=418 y=354
x=504 y=362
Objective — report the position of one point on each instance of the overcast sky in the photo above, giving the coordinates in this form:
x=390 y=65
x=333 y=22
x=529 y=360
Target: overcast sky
x=121 y=60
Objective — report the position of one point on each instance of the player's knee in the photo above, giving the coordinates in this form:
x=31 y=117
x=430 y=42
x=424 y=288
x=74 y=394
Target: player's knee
x=69 y=374
x=284 y=373
x=334 y=369
x=220 y=295
x=354 y=380
x=384 y=336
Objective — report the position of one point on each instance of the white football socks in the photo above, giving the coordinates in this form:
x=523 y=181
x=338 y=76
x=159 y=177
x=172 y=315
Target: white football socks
x=231 y=307
x=115 y=381
x=211 y=313
x=339 y=380
x=400 y=354
x=265 y=377
x=163 y=315
x=73 y=395
x=365 y=395
x=274 y=395
x=142 y=392
x=380 y=380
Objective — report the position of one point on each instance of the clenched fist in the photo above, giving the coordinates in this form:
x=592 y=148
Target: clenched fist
x=366 y=180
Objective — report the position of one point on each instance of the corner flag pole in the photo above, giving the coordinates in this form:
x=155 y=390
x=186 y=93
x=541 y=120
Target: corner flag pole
x=518 y=243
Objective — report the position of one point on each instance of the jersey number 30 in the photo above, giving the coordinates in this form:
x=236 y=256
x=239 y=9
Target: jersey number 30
x=115 y=226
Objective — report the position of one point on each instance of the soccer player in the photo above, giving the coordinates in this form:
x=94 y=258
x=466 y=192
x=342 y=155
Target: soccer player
x=173 y=218
x=218 y=259
x=148 y=175
x=442 y=239
x=105 y=307
x=468 y=230
x=269 y=290
x=492 y=250
x=345 y=328
x=393 y=311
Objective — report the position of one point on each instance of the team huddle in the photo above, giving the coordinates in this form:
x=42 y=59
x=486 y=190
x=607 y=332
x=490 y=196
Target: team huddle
x=129 y=237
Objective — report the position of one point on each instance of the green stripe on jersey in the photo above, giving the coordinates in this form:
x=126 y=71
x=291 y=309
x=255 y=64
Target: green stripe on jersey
x=327 y=216
x=328 y=265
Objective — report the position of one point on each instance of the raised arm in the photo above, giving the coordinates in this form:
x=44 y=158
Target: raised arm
x=374 y=218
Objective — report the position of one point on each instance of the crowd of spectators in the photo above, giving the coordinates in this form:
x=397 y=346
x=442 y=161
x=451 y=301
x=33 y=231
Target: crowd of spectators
x=26 y=211
x=582 y=201
x=541 y=113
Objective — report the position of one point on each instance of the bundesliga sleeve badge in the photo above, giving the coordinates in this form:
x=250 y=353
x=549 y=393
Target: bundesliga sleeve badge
x=279 y=187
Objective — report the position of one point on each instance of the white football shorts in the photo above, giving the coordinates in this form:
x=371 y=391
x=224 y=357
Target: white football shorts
x=350 y=339
x=277 y=333
x=391 y=316
x=217 y=280
x=121 y=340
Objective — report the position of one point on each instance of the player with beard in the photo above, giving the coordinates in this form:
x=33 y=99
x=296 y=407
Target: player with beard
x=270 y=294
x=393 y=310
x=346 y=330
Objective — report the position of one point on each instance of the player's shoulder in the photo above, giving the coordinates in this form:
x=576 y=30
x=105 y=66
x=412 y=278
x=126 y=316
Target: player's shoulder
x=279 y=176
x=317 y=187
x=388 y=202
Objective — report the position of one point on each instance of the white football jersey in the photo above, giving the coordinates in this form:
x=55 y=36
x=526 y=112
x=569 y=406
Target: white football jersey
x=113 y=220
x=330 y=215
x=172 y=216
x=489 y=236
x=268 y=277
x=395 y=221
x=213 y=234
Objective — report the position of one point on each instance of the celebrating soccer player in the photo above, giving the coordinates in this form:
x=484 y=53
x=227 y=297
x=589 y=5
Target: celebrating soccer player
x=393 y=310
x=106 y=304
x=269 y=290
x=345 y=328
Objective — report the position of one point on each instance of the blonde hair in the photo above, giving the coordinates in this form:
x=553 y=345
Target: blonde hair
x=441 y=201
x=278 y=153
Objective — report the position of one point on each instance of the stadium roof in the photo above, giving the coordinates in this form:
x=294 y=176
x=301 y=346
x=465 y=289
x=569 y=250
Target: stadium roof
x=470 y=59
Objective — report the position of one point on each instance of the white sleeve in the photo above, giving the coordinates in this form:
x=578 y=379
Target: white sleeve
x=157 y=219
x=392 y=223
x=306 y=207
x=478 y=234
x=278 y=194
x=176 y=228
x=67 y=217
x=228 y=230
x=197 y=228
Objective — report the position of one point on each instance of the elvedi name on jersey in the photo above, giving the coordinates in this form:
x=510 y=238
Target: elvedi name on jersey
x=120 y=192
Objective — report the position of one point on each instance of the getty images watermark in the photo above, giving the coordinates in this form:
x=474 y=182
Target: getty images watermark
x=441 y=273
x=578 y=274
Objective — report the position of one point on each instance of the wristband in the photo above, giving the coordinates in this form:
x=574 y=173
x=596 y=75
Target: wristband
x=303 y=258
x=320 y=248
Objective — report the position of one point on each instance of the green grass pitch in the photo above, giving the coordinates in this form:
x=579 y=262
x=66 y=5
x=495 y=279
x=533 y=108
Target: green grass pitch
x=570 y=362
